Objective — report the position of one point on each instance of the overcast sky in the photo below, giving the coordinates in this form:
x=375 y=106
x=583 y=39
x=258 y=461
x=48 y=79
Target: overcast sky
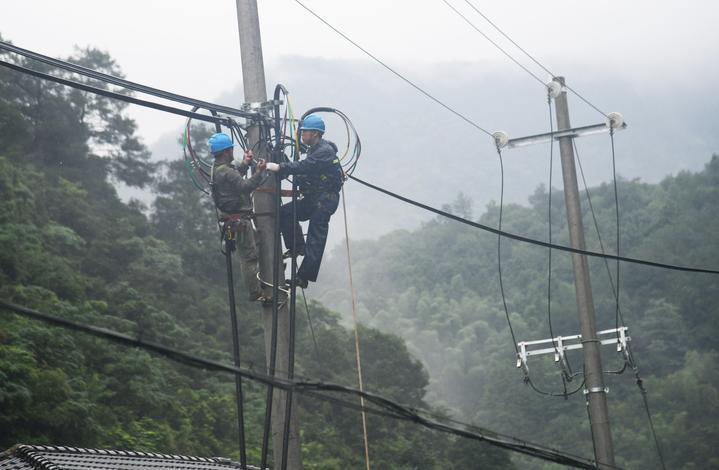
x=191 y=47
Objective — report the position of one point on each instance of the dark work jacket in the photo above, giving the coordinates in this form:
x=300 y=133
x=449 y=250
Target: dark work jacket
x=319 y=172
x=231 y=191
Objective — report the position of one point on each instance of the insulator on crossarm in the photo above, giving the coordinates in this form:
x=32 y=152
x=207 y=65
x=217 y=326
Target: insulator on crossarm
x=615 y=120
x=500 y=139
x=554 y=88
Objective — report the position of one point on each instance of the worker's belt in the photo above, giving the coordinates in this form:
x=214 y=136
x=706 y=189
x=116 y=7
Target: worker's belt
x=229 y=223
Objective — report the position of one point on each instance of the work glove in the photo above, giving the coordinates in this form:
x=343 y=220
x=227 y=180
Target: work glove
x=273 y=167
x=247 y=158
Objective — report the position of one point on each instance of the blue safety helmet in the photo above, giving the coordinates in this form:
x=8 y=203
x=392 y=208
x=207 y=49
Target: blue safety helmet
x=313 y=123
x=219 y=142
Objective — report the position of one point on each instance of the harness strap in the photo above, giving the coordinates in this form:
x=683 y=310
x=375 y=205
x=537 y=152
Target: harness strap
x=228 y=223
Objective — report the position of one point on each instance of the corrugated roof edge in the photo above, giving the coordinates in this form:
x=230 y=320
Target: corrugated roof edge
x=26 y=451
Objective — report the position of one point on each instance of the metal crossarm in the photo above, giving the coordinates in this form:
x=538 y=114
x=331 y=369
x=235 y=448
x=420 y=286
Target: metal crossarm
x=556 y=135
x=560 y=344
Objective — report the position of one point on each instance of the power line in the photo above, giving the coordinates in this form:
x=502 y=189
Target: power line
x=396 y=73
x=391 y=408
x=533 y=241
x=527 y=377
x=198 y=116
x=530 y=56
x=549 y=223
x=78 y=69
x=616 y=212
x=629 y=359
x=499 y=251
x=596 y=223
x=643 y=392
x=507 y=36
x=226 y=122
x=116 y=96
x=493 y=42
x=170 y=96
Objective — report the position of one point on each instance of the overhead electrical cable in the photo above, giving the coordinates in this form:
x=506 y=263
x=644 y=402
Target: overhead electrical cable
x=396 y=73
x=629 y=357
x=115 y=95
x=499 y=251
x=109 y=79
x=278 y=153
x=549 y=224
x=272 y=360
x=533 y=241
x=643 y=392
x=122 y=82
x=493 y=42
x=228 y=122
x=601 y=246
x=532 y=58
x=594 y=219
x=387 y=407
x=527 y=378
x=619 y=319
x=616 y=212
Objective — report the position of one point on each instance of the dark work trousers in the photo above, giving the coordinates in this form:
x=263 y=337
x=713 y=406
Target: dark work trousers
x=317 y=208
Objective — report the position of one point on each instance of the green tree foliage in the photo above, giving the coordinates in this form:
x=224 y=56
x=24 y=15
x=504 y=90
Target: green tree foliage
x=437 y=287
x=70 y=247
x=80 y=135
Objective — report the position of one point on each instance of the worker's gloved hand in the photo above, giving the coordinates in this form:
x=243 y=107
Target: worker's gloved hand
x=261 y=165
x=273 y=167
x=247 y=158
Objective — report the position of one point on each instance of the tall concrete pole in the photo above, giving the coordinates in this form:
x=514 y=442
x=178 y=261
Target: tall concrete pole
x=593 y=375
x=253 y=78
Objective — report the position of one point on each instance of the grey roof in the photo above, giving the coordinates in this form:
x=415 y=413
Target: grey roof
x=29 y=457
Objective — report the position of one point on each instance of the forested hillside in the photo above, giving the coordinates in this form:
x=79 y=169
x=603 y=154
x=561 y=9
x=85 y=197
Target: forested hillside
x=437 y=287
x=70 y=247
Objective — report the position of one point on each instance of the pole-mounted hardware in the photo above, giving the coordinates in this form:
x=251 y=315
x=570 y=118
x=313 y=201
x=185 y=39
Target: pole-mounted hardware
x=597 y=407
x=554 y=88
x=500 y=139
x=264 y=107
x=614 y=121
x=561 y=344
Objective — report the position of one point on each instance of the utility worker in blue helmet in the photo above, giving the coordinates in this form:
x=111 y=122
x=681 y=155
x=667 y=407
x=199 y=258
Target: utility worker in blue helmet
x=232 y=193
x=319 y=178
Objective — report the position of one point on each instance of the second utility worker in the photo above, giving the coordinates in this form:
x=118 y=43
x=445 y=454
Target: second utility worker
x=232 y=193
x=319 y=178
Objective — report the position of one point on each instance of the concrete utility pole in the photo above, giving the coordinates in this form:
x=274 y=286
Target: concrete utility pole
x=593 y=372
x=253 y=77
